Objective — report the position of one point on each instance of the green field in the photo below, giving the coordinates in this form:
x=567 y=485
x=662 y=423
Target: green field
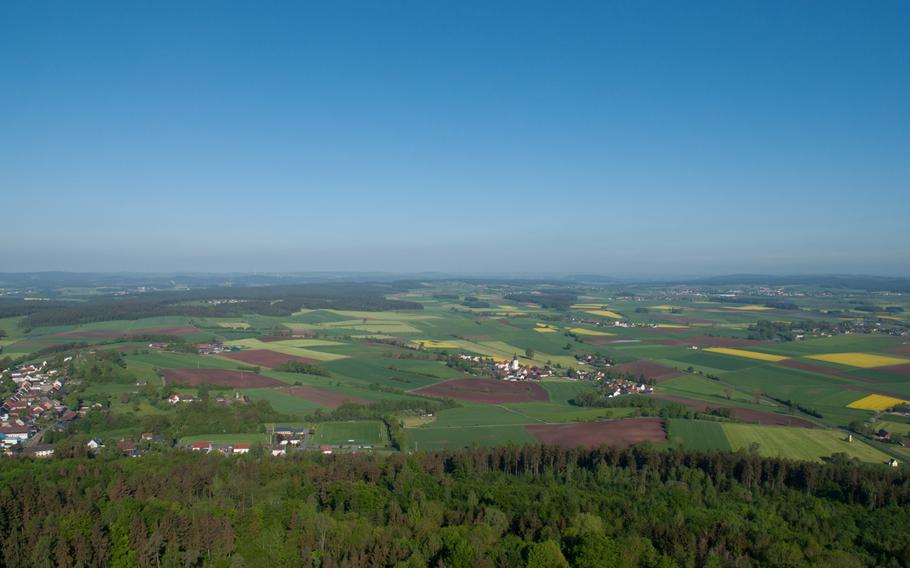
x=697 y=435
x=226 y=439
x=449 y=438
x=799 y=443
x=362 y=367
x=370 y=432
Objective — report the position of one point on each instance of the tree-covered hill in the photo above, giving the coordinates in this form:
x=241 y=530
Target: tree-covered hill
x=531 y=506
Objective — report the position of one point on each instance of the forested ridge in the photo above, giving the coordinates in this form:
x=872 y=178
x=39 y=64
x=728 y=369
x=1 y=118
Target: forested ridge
x=213 y=302
x=530 y=506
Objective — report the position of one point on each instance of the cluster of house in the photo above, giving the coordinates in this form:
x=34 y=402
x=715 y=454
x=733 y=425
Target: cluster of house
x=616 y=386
x=283 y=439
x=38 y=394
x=613 y=323
x=226 y=449
x=595 y=360
x=214 y=348
x=514 y=371
x=221 y=400
x=129 y=448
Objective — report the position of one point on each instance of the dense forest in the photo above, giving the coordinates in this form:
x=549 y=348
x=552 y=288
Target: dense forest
x=532 y=506
x=213 y=302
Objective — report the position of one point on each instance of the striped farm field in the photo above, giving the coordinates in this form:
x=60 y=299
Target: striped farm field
x=798 y=443
x=604 y=313
x=876 y=402
x=583 y=331
x=433 y=344
x=671 y=326
x=861 y=360
x=287 y=349
x=586 y=306
x=747 y=354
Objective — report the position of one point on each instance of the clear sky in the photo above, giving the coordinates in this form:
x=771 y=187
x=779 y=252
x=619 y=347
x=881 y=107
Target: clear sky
x=626 y=138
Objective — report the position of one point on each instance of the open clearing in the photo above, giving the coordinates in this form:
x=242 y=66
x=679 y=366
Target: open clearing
x=861 y=360
x=747 y=354
x=798 y=443
x=593 y=434
x=217 y=377
x=876 y=402
x=486 y=391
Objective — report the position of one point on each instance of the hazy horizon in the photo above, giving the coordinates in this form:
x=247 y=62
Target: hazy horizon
x=463 y=137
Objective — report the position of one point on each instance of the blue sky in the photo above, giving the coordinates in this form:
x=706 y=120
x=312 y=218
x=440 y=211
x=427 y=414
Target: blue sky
x=626 y=138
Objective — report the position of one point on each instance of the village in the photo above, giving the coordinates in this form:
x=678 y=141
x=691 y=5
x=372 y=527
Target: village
x=33 y=406
x=35 y=403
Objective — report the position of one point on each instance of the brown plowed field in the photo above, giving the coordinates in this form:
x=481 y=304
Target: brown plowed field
x=324 y=397
x=902 y=370
x=744 y=414
x=113 y=334
x=486 y=390
x=650 y=370
x=266 y=358
x=593 y=434
x=219 y=377
x=902 y=350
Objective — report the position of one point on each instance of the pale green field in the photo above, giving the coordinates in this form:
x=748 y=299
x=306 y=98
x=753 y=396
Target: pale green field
x=253 y=343
x=12 y=329
x=799 y=443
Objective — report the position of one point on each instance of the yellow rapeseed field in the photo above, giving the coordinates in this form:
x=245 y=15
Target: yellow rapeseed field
x=544 y=328
x=748 y=354
x=753 y=308
x=604 y=313
x=861 y=360
x=583 y=331
x=586 y=306
x=875 y=402
x=671 y=326
x=660 y=307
